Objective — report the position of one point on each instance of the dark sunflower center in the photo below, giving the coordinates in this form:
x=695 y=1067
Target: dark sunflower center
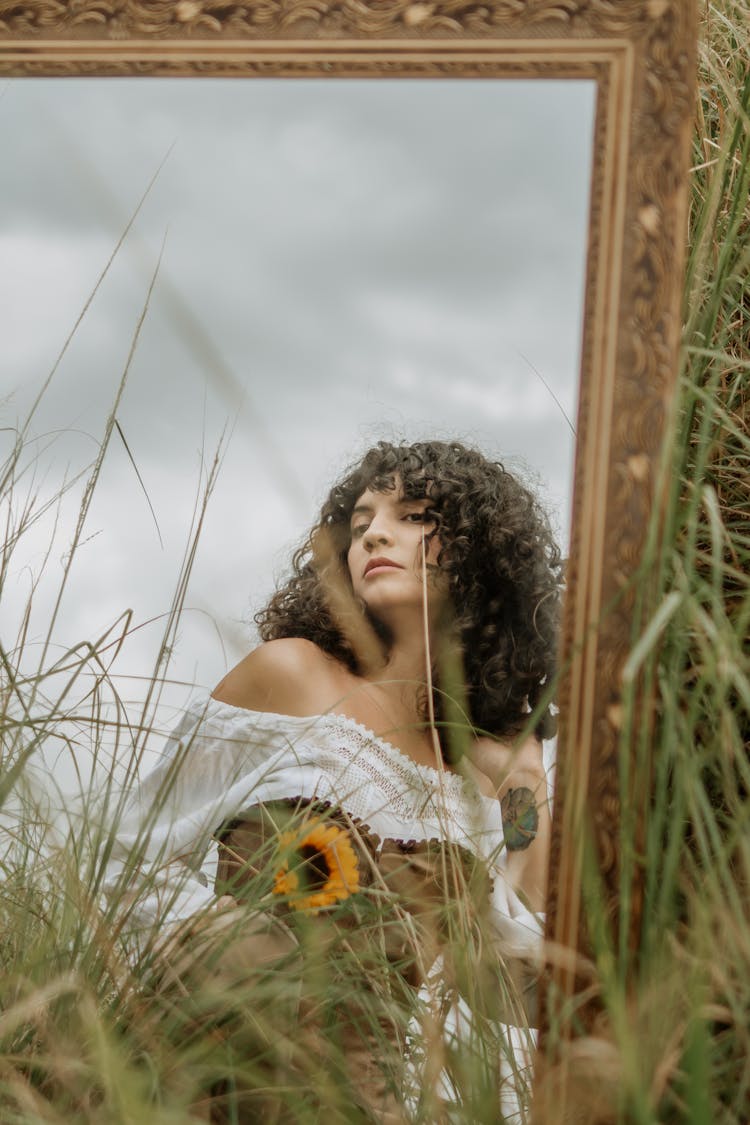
x=313 y=871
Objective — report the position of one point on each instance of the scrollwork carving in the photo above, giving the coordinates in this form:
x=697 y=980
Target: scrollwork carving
x=368 y=18
x=646 y=371
x=362 y=67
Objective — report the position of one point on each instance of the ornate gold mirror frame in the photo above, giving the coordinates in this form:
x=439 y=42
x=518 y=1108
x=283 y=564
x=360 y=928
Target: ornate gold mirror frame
x=641 y=55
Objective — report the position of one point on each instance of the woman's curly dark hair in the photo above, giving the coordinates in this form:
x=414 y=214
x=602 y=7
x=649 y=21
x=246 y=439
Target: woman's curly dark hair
x=497 y=547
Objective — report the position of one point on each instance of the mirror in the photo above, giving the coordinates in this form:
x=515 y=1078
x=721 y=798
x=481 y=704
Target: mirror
x=395 y=263
x=635 y=60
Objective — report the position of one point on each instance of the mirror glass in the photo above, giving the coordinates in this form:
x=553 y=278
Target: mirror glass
x=339 y=262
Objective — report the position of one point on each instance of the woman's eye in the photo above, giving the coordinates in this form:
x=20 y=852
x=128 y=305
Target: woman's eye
x=416 y=517
x=359 y=530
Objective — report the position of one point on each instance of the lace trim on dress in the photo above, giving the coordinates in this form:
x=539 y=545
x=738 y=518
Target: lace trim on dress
x=412 y=787
x=411 y=791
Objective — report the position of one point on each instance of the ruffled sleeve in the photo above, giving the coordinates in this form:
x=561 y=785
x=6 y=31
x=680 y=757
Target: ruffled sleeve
x=518 y=930
x=159 y=870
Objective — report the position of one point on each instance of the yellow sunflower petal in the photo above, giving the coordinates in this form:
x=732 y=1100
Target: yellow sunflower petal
x=331 y=842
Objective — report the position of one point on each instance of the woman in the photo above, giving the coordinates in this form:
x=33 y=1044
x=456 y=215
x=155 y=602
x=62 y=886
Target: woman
x=375 y=747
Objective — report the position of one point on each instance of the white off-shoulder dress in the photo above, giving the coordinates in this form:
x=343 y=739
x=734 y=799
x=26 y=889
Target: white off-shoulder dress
x=221 y=761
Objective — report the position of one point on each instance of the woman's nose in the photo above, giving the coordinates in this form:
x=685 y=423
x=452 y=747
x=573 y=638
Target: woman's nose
x=377 y=533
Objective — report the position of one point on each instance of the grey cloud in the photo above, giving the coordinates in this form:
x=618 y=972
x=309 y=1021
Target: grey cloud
x=350 y=250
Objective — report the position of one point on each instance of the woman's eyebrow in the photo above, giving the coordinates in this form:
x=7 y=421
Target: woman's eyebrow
x=401 y=502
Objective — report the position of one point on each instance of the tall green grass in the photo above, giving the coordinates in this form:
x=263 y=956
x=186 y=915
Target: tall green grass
x=87 y=1034
x=672 y=1044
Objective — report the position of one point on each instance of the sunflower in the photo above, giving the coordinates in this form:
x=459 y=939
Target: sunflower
x=328 y=868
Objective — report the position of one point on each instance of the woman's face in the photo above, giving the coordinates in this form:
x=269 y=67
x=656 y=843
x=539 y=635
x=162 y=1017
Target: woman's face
x=389 y=540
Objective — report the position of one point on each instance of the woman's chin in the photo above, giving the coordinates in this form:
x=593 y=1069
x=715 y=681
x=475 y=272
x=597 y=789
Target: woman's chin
x=394 y=614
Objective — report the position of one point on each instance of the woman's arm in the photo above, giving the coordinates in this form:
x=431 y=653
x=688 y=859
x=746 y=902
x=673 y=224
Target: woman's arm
x=519 y=781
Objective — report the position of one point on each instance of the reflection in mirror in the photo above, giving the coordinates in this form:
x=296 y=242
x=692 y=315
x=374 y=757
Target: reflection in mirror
x=341 y=262
x=305 y=268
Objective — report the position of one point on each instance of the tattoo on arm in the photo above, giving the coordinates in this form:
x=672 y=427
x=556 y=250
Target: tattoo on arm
x=520 y=818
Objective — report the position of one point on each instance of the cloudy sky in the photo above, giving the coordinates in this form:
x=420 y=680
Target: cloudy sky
x=340 y=261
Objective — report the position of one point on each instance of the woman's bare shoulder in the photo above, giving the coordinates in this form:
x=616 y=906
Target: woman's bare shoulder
x=289 y=676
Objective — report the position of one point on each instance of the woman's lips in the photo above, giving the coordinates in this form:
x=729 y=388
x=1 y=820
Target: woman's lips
x=376 y=566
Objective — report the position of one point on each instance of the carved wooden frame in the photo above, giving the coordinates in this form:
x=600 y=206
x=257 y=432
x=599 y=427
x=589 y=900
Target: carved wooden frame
x=641 y=54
